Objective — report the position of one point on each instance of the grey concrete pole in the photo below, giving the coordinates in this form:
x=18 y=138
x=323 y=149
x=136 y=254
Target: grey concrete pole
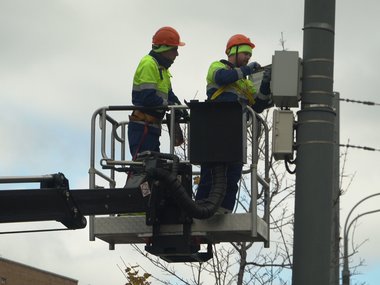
x=315 y=149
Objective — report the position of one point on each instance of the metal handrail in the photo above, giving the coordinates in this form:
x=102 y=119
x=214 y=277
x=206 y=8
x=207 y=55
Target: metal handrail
x=109 y=159
x=255 y=178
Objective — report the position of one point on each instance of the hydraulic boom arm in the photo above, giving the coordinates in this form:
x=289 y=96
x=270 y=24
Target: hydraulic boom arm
x=54 y=201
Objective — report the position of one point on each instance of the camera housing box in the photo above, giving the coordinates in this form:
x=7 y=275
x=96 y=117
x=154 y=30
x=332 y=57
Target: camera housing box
x=282 y=134
x=286 y=78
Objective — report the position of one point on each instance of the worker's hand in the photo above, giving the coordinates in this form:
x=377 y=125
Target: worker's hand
x=265 y=82
x=182 y=113
x=185 y=114
x=267 y=75
x=253 y=66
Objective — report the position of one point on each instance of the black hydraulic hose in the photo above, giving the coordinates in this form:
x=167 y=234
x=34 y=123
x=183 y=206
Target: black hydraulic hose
x=201 y=209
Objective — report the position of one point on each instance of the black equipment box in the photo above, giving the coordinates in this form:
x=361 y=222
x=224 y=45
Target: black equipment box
x=218 y=132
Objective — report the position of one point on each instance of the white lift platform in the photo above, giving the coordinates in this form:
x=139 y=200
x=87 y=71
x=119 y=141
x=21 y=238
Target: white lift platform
x=109 y=146
x=217 y=229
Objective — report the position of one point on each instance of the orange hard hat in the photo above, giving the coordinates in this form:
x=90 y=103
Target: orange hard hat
x=167 y=36
x=237 y=40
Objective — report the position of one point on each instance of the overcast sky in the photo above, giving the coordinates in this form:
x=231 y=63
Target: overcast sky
x=60 y=60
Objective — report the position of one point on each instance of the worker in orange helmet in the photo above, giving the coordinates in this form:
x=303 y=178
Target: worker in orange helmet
x=227 y=81
x=152 y=88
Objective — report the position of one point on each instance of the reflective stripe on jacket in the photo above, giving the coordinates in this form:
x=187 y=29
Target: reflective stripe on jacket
x=151 y=85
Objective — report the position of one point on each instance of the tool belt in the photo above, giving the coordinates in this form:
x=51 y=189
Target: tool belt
x=138 y=116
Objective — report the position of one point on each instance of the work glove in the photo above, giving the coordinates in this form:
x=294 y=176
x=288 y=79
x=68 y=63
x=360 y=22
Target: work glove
x=267 y=75
x=181 y=113
x=253 y=66
x=185 y=114
x=265 y=82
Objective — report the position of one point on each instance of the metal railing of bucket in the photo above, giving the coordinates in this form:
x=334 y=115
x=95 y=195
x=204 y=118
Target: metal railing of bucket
x=113 y=147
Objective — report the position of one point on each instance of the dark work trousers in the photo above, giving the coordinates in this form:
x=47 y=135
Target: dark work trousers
x=143 y=137
x=233 y=173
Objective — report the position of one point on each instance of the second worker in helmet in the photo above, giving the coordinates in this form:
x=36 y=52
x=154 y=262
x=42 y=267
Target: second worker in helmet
x=227 y=81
